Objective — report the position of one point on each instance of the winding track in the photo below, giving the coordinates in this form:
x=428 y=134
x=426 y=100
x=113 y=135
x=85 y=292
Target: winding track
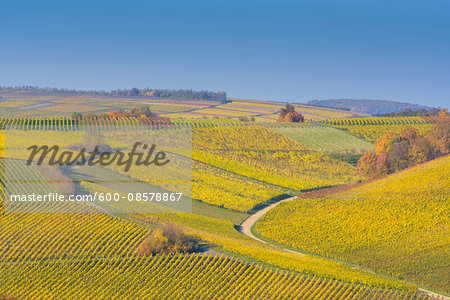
x=248 y=223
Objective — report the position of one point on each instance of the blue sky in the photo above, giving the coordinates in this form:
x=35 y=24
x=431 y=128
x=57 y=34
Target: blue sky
x=279 y=50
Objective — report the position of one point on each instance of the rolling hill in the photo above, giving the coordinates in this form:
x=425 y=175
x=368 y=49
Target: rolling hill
x=367 y=106
x=397 y=225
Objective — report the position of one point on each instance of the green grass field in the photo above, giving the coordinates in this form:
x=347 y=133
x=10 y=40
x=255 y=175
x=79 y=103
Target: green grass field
x=331 y=141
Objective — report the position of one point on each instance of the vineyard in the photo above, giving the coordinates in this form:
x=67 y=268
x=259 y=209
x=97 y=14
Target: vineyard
x=88 y=251
x=36 y=104
x=173 y=277
x=209 y=150
x=380 y=121
x=56 y=250
x=373 y=132
x=91 y=236
x=23 y=104
x=373 y=128
x=57 y=123
x=228 y=190
x=72 y=232
x=216 y=231
x=401 y=227
x=326 y=140
x=260 y=111
x=258 y=153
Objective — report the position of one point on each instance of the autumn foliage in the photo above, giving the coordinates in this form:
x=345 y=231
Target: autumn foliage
x=395 y=152
x=367 y=164
x=443 y=112
x=288 y=114
x=167 y=238
x=439 y=137
x=142 y=111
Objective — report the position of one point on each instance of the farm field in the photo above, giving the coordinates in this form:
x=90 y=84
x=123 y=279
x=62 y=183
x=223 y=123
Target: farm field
x=225 y=176
x=331 y=141
x=373 y=132
x=217 y=227
x=31 y=104
x=228 y=190
x=400 y=228
x=209 y=185
x=203 y=150
x=186 y=276
x=215 y=230
x=261 y=111
x=56 y=123
x=258 y=153
x=237 y=169
x=381 y=121
x=32 y=236
x=373 y=128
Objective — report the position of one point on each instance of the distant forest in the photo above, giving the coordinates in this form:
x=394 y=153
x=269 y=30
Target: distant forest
x=134 y=92
x=413 y=113
x=373 y=107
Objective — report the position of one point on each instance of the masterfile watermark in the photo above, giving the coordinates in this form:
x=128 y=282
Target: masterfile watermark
x=96 y=157
x=117 y=169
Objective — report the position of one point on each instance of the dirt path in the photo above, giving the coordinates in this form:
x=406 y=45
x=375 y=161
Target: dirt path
x=247 y=225
x=434 y=295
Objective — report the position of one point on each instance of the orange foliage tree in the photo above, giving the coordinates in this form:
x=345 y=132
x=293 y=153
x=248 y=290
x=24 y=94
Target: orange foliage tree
x=395 y=152
x=367 y=164
x=167 y=238
x=383 y=143
x=439 y=137
x=443 y=112
x=288 y=114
